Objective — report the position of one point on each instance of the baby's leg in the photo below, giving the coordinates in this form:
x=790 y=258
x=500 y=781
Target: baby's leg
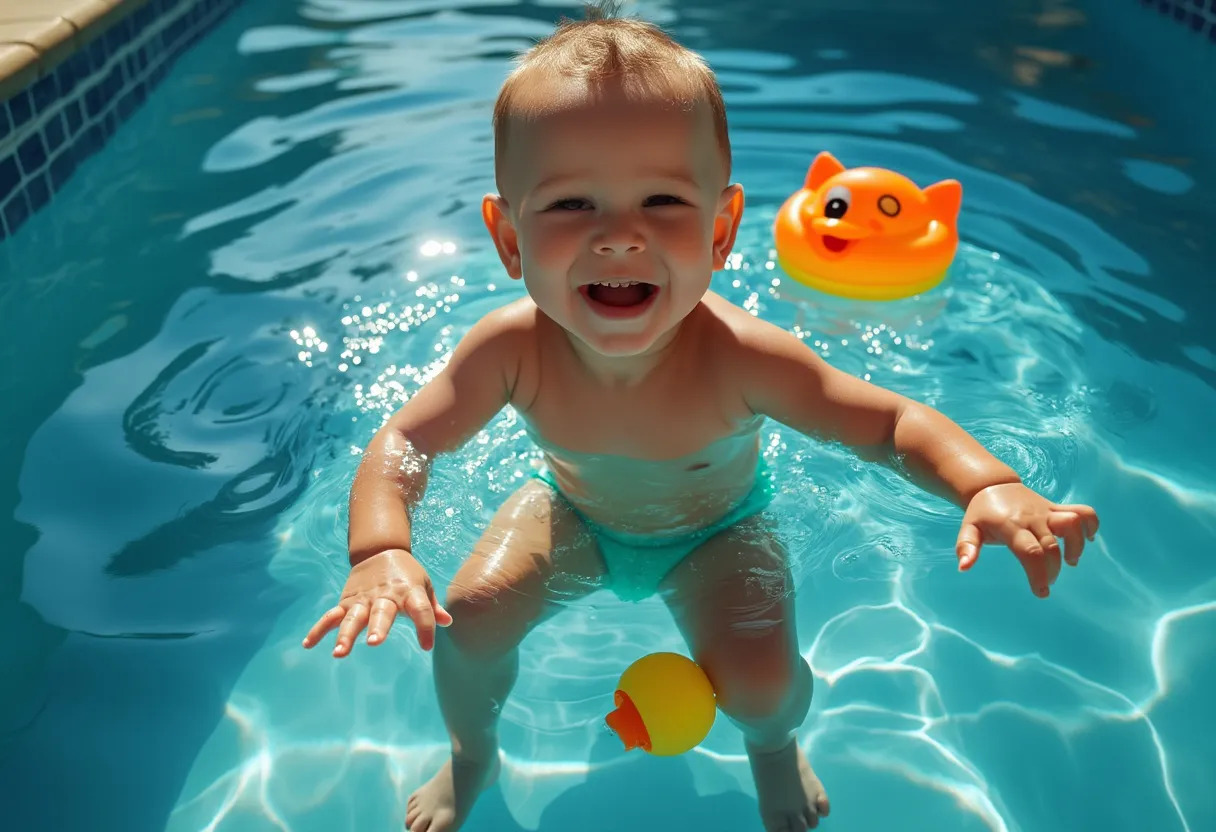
x=534 y=554
x=733 y=600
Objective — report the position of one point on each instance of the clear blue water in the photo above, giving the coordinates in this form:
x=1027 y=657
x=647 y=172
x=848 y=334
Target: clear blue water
x=200 y=334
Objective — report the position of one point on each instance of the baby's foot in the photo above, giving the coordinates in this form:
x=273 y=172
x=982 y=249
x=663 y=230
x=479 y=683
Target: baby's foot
x=790 y=795
x=443 y=802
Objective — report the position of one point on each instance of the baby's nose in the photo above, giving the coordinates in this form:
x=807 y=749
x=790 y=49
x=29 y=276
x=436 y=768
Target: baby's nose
x=619 y=246
x=619 y=237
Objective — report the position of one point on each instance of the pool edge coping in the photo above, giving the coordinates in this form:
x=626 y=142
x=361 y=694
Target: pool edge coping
x=38 y=35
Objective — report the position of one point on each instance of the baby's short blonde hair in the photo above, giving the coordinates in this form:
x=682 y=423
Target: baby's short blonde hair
x=602 y=49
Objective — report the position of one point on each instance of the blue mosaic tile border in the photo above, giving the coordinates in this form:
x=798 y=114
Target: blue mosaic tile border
x=1197 y=15
x=47 y=129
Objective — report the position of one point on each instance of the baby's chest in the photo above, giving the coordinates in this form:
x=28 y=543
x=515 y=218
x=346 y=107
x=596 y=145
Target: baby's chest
x=658 y=425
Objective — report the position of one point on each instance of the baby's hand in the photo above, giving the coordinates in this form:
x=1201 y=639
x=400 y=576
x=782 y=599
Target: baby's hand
x=1028 y=524
x=376 y=590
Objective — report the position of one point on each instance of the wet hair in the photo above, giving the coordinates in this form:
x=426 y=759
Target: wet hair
x=603 y=50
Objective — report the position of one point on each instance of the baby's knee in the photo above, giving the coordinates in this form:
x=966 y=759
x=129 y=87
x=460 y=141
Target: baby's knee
x=760 y=687
x=488 y=619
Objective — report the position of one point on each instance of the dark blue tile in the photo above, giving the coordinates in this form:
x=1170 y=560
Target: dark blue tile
x=143 y=16
x=38 y=191
x=113 y=83
x=98 y=54
x=94 y=100
x=45 y=92
x=62 y=167
x=10 y=176
x=54 y=133
x=20 y=108
x=176 y=32
x=1179 y=13
x=1197 y=22
x=6 y=121
x=69 y=72
x=109 y=124
x=32 y=154
x=118 y=35
x=74 y=116
x=16 y=212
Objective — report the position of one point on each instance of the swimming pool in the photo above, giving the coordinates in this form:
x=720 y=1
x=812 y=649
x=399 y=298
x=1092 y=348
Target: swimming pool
x=211 y=319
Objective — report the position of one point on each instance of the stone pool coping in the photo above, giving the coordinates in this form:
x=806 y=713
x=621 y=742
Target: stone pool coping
x=37 y=35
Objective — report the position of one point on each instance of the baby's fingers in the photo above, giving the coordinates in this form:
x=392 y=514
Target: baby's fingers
x=1071 y=527
x=418 y=607
x=442 y=617
x=1040 y=564
x=967 y=547
x=352 y=625
x=1087 y=515
x=384 y=612
x=324 y=624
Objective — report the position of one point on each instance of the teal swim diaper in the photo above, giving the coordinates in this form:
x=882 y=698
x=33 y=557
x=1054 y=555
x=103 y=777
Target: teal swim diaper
x=638 y=563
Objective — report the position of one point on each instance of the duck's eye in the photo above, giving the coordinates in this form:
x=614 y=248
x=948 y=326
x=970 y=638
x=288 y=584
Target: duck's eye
x=889 y=205
x=836 y=202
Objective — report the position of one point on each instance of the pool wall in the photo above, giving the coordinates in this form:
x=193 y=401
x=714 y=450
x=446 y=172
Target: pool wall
x=71 y=71
x=1197 y=15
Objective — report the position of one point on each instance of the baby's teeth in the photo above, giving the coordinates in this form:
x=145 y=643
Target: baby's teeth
x=620 y=285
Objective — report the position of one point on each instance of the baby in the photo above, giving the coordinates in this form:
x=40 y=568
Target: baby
x=646 y=393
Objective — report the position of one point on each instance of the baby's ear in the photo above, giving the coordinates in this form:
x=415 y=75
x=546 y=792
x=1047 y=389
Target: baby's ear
x=496 y=216
x=822 y=169
x=726 y=224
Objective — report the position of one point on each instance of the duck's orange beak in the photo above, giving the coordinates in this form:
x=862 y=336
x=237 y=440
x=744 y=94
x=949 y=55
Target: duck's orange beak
x=837 y=235
x=843 y=229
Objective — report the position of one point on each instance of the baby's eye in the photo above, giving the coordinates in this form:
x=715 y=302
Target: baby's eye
x=572 y=204
x=664 y=199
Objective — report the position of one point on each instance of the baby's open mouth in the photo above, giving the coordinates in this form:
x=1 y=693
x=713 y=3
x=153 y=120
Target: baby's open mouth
x=620 y=294
x=619 y=298
x=835 y=244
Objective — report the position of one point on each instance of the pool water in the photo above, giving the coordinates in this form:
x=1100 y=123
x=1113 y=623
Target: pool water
x=204 y=330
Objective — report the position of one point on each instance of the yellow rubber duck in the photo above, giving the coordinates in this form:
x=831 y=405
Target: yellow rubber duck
x=665 y=705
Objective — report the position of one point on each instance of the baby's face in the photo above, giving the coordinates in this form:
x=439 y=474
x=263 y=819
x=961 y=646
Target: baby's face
x=620 y=213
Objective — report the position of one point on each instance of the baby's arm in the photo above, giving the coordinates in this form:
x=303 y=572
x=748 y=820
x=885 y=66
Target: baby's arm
x=442 y=416
x=391 y=479
x=789 y=382
x=785 y=379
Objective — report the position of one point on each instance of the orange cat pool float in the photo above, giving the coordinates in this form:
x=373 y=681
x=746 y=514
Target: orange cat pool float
x=867 y=233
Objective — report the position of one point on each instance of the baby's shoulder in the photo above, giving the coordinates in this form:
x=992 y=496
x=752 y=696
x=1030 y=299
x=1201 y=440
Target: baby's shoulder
x=507 y=339
x=508 y=327
x=738 y=334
